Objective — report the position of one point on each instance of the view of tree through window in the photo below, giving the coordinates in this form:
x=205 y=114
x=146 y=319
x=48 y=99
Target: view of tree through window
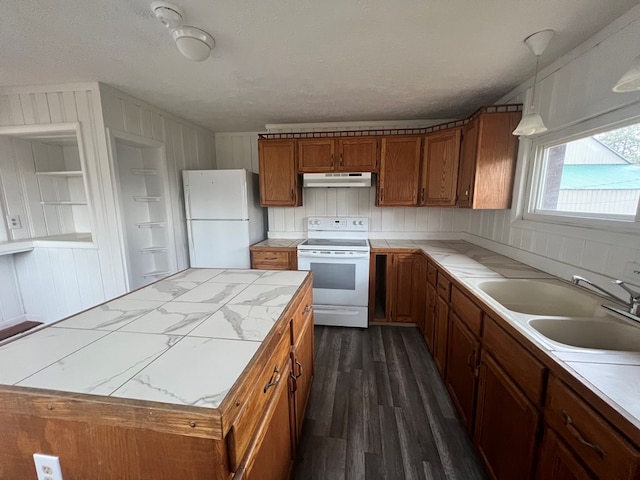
x=595 y=176
x=624 y=141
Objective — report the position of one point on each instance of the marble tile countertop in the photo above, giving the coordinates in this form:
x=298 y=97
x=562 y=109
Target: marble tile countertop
x=279 y=242
x=183 y=340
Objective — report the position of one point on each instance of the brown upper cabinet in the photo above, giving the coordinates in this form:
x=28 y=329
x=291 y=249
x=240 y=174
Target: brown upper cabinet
x=440 y=168
x=487 y=161
x=321 y=155
x=279 y=182
x=399 y=171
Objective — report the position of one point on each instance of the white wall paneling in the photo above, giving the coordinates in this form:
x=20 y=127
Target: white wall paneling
x=186 y=146
x=11 y=307
x=82 y=277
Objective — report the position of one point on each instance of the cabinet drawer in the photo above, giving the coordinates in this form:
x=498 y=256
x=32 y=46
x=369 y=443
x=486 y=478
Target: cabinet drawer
x=256 y=400
x=302 y=314
x=604 y=452
x=444 y=287
x=270 y=257
x=468 y=311
x=523 y=367
x=432 y=274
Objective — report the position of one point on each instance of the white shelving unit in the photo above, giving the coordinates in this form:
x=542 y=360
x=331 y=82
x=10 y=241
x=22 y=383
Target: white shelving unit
x=145 y=213
x=55 y=203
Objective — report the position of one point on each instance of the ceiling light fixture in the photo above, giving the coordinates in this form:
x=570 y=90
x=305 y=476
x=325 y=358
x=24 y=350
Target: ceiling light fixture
x=193 y=43
x=169 y=14
x=630 y=81
x=532 y=122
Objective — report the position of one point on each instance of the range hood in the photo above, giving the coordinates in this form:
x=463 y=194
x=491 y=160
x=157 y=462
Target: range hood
x=353 y=179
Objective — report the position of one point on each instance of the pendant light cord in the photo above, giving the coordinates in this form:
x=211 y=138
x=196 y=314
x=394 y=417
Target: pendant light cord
x=535 y=80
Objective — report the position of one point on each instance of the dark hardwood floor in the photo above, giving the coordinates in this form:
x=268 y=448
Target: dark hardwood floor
x=379 y=410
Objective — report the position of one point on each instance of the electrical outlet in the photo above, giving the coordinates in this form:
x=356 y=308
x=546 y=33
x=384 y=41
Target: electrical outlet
x=632 y=272
x=47 y=467
x=14 y=222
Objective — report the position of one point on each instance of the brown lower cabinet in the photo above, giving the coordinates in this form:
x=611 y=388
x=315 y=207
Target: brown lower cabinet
x=506 y=424
x=440 y=335
x=463 y=352
x=274 y=258
x=430 y=316
x=556 y=461
x=271 y=455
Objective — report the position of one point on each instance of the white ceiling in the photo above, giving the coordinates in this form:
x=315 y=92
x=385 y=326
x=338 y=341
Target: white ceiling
x=284 y=61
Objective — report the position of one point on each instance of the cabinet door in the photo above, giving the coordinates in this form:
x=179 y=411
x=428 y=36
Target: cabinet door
x=467 y=167
x=441 y=334
x=497 y=151
x=430 y=315
x=506 y=425
x=279 y=185
x=463 y=351
x=556 y=462
x=358 y=154
x=400 y=297
x=316 y=155
x=271 y=456
x=399 y=171
x=440 y=168
x=303 y=372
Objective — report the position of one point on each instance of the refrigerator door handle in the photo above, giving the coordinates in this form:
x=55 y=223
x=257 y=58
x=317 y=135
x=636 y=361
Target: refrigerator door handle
x=187 y=202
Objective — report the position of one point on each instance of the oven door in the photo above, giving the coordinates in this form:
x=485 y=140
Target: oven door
x=339 y=277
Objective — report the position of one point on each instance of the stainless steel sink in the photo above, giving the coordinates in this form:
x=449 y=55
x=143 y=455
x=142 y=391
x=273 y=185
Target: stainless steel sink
x=594 y=333
x=541 y=297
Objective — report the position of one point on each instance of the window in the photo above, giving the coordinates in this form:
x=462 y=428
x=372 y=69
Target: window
x=590 y=177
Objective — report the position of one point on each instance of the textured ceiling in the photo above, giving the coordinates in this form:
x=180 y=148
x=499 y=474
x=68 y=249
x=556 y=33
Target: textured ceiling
x=297 y=60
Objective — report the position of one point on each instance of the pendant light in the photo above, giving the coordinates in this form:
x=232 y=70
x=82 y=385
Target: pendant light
x=532 y=123
x=630 y=81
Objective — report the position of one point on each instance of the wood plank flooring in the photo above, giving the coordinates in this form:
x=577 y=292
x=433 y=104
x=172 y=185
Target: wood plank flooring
x=379 y=410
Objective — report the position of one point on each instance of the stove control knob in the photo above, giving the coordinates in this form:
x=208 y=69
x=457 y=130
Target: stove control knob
x=355 y=222
x=360 y=222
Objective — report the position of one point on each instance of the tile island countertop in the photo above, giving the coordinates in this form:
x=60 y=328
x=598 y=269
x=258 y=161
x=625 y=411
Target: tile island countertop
x=183 y=340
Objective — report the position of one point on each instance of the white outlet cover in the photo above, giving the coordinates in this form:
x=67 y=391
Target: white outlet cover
x=632 y=272
x=47 y=467
x=14 y=222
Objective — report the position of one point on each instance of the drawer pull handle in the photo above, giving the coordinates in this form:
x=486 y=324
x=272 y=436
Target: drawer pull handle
x=568 y=422
x=273 y=381
x=470 y=361
x=270 y=258
x=307 y=308
x=294 y=383
x=299 y=369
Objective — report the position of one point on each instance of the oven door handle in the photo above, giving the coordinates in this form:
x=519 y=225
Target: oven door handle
x=333 y=256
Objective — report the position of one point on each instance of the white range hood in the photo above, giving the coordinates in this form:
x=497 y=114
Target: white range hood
x=352 y=179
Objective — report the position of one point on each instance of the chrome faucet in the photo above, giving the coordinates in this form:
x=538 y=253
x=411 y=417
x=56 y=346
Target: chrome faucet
x=633 y=304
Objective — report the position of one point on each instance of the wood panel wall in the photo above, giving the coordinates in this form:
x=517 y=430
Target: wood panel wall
x=73 y=279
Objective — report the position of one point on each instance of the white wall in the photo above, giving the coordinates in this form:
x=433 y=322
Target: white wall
x=56 y=282
x=574 y=89
x=187 y=146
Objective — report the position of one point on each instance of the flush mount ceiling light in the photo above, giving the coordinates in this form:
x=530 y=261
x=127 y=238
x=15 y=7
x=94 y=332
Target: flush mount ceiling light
x=193 y=43
x=169 y=14
x=532 y=122
x=630 y=81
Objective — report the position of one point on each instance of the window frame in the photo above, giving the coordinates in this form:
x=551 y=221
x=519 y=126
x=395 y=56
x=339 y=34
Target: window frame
x=612 y=222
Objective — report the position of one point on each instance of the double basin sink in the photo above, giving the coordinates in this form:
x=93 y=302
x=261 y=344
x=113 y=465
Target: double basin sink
x=564 y=314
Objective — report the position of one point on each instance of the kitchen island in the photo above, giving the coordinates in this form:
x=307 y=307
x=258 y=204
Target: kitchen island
x=196 y=376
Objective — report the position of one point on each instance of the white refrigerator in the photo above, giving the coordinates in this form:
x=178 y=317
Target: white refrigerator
x=223 y=215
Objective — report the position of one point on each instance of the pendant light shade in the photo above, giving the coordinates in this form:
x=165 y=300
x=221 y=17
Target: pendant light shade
x=630 y=81
x=532 y=122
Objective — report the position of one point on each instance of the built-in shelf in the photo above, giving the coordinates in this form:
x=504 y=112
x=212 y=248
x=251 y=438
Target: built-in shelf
x=146 y=199
x=62 y=173
x=63 y=202
x=144 y=171
x=157 y=273
x=153 y=250
x=151 y=224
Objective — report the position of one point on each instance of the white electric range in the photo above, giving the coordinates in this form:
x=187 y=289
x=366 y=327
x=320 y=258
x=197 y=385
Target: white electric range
x=337 y=252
